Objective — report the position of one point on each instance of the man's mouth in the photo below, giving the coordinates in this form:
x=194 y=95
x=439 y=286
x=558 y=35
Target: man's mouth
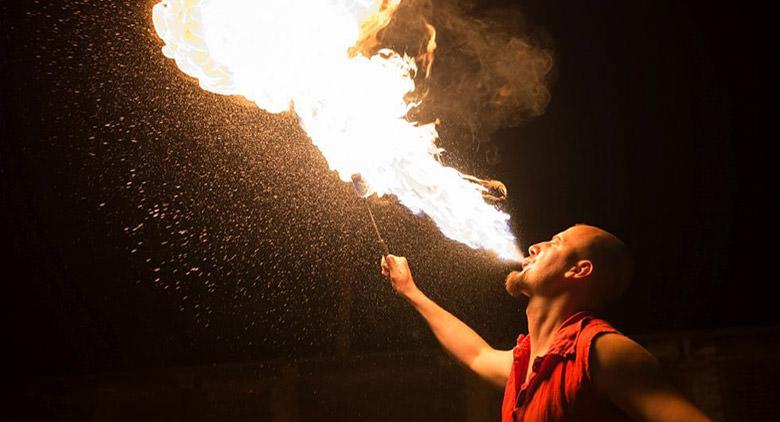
x=519 y=267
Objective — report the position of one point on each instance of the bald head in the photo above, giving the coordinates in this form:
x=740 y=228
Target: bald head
x=584 y=263
x=612 y=263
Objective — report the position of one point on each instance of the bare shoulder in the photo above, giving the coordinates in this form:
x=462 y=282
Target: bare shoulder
x=616 y=351
x=616 y=360
x=627 y=374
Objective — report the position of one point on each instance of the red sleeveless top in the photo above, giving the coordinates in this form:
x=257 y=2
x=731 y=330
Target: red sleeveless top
x=560 y=387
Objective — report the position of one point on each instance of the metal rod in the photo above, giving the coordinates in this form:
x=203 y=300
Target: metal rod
x=362 y=191
x=385 y=249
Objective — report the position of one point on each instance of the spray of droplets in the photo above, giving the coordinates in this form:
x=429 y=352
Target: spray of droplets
x=228 y=214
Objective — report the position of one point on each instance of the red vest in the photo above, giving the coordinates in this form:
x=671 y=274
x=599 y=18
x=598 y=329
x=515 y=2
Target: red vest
x=560 y=387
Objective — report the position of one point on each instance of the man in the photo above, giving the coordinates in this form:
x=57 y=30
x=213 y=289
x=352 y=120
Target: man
x=572 y=365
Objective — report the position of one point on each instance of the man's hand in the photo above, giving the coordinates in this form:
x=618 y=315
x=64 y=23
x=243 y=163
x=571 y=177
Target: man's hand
x=397 y=270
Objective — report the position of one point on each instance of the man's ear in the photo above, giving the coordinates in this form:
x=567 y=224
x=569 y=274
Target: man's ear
x=581 y=269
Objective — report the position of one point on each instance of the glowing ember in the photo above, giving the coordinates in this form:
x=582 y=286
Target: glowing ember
x=308 y=56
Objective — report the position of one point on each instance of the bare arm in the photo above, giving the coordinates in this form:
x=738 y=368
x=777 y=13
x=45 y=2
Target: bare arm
x=631 y=377
x=457 y=338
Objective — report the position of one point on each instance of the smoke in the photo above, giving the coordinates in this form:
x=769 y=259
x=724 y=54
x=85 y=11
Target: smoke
x=492 y=69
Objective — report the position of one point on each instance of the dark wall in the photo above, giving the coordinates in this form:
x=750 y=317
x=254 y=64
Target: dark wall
x=152 y=224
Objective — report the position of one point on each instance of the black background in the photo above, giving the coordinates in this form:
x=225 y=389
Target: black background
x=152 y=224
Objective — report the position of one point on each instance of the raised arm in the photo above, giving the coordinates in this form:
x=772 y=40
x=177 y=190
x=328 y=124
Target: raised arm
x=631 y=377
x=457 y=338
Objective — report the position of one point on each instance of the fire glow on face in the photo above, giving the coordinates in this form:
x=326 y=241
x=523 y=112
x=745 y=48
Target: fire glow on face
x=305 y=56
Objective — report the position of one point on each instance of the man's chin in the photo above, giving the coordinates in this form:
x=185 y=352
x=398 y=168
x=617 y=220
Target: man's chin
x=513 y=283
x=514 y=276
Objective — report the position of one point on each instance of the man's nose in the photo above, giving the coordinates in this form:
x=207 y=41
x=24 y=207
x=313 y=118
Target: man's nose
x=534 y=249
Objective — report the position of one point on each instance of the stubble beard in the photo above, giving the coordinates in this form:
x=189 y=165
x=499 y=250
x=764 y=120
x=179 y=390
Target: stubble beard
x=515 y=284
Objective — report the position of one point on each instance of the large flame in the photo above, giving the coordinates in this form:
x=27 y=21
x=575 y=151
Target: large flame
x=312 y=57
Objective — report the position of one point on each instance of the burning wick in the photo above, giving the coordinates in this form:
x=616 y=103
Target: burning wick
x=495 y=191
x=362 y=191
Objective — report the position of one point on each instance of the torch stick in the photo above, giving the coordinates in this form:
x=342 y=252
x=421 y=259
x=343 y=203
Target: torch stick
x=361 y=191
x=385 y=249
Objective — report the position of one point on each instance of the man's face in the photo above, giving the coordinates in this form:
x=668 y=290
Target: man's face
x=543 y=270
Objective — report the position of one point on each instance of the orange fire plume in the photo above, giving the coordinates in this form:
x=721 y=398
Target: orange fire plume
x=315 y=58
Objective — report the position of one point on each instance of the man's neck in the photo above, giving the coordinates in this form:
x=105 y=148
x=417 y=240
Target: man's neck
x=545 y=316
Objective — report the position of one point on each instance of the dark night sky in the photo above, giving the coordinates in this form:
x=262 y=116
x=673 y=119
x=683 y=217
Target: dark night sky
x=149 y=223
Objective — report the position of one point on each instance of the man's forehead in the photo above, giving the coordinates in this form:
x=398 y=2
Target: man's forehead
x=577 y=231
x=562 y=236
